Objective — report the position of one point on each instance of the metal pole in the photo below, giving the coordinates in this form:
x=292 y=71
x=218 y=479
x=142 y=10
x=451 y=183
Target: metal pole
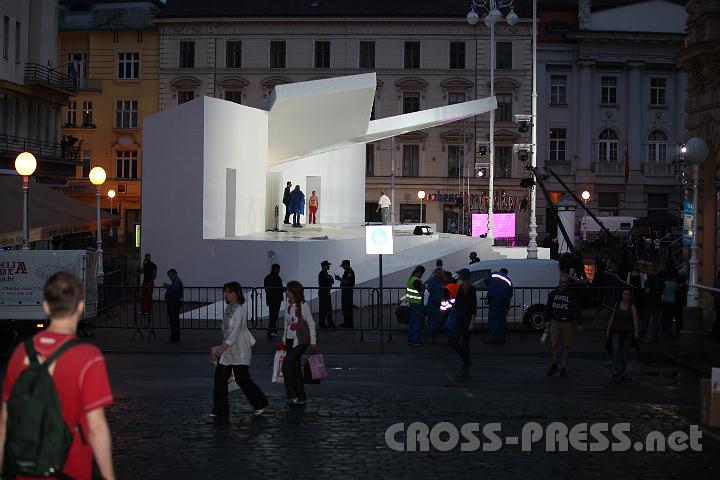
x=392 y=181
x=532 y=248
x=692 y=294
x=380 y=299
x=26 y=213
x=491 y=190
x=100 y=271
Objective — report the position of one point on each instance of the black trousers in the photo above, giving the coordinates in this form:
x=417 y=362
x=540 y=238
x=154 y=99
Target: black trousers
x=325 y=309
x=292 y=370
x=253 y=393
x=346 y=299
x=461 y=340
x=287 y=214
x=173 y=311
x=274 y=308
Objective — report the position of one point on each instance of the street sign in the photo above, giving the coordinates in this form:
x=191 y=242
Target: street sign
x=379 y=240
x=688 y=215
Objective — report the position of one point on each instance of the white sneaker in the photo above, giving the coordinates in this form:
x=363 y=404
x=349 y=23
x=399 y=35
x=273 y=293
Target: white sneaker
x=260 y=412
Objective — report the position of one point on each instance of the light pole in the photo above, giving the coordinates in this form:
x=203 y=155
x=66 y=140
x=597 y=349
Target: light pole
x=532 y=249
x=111 y=195
x=421 y=195
x=491 y=8
x=696 y=153
x=97 y=178
x=25 y=165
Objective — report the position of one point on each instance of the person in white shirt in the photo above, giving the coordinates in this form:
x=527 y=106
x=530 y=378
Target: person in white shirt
x=234 y=355
x=297 y=339
x=384 y=207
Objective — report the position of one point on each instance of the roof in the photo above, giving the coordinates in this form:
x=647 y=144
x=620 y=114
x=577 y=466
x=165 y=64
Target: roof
x=108 y=15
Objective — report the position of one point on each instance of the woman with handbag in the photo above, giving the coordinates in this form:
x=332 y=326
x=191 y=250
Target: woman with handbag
x=234 y=355
x=298 y=335
x=622 y=330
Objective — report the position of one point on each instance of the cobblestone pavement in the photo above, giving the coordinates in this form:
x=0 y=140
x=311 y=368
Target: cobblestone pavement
x=161 y=428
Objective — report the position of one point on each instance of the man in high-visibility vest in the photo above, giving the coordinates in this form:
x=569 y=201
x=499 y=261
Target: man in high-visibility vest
x=499 y=295
x=414 y=297
x=448 y=302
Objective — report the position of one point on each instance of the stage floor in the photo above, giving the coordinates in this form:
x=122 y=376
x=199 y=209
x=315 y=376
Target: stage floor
x=324 y=232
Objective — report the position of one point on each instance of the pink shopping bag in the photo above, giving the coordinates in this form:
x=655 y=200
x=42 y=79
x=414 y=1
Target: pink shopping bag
x=317 y=366
x=277 y=376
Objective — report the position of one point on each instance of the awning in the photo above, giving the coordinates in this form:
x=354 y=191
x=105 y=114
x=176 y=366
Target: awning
x=51 y=213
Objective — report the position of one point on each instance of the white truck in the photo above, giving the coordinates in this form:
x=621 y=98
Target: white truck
x=23 y=274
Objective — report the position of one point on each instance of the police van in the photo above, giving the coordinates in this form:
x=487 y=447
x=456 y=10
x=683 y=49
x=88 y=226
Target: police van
x=532 y=281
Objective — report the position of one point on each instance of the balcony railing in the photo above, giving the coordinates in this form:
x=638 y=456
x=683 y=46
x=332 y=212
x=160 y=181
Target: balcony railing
x=654 y=169
x=65 y=154
x=90 y=85
x=35 y=72
x=611 y=169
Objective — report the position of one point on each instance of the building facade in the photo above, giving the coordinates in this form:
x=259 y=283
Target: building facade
x=430 y=59
x=33 y=89
x=611 y=105
x=111 y=50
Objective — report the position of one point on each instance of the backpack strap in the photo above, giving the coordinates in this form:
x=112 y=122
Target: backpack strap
x=31 y=352
x=61 y=349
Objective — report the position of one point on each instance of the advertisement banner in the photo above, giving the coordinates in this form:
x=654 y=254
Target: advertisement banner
x=503 y=225
x=688 y=215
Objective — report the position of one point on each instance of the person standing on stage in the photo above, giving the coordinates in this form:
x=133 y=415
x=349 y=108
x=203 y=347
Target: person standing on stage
x=347 y=283
x=274 y=290
x=286 y=202
x=297 y=205
x=325 y=283
x=384 y=207
x=313 y=205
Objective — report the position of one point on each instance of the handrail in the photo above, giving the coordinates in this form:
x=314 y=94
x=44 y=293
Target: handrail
x=707 y=289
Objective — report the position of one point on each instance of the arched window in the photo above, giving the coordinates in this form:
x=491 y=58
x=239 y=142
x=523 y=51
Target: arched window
x=657 y=147
x=608 y=146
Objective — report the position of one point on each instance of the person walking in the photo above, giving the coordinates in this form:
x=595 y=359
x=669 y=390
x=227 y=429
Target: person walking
x=466 y=307
x=274 y=290
x=286 y=202
x=414 y=297
x=669 y=310
x=651 y=316
x=297 y=205
x=298 y=335
x=81 y=386
x=233 y=356
x=499 y=296
x=383 y=207
x=622 y=328
x=173 y=300
x=434 y=288
x=635 y=278
x=313 y=204
x=149 y=271
x=347 y=283
x=325 y=283
x=563 y=309
x=447 y=305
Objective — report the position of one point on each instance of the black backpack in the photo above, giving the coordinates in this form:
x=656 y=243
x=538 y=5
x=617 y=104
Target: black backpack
x=38 y=440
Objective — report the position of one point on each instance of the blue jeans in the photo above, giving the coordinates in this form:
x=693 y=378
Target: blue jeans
x=417 y=312
x=450 y=323
x=497 y=319
x=620 y=346
x=651 y=317
x=436 y=318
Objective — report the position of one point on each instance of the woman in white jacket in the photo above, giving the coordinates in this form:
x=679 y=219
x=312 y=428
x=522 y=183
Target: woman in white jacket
x=297 y=339
x=234 y=355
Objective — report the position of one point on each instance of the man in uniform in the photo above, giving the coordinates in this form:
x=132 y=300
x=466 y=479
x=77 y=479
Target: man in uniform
x=274 y=289
x=499 y=294
x=347 y=283
x=325 y=282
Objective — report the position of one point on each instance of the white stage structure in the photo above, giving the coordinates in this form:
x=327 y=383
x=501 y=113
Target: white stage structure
x=214 y=170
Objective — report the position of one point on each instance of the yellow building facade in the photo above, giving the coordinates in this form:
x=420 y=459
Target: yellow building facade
x=115 y=65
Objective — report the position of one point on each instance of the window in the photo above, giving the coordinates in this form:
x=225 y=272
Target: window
x=411 y=160
x=367 y=55
x=503 y=161
x=322 y=54
x=558 y=89
x=87 y=113
x=412 y=55
x=187 y=54
x=410 y=213
x=657 y=200
x=126 y=164
x=608 y=90
x=71 y=113
x=457 y=55
x=233 y=54
x=608 y=202
x=657 y=147
x=658 y=88
x=18 y=42
x=233 y=96
x=558 y=144
x=454 y=154
x=503 y=56
x=126 y=114
x=87 y=163
x=456 y=97
x=608 y=146
x=504 y=107
x=411 y=102
x=6 y=36
x=79 y=65
x=369 y=160
x=128 y=65
x=277 y=54
x=185 y=96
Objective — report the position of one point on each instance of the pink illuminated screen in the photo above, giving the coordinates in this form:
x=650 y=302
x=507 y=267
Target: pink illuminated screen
x=503 y=223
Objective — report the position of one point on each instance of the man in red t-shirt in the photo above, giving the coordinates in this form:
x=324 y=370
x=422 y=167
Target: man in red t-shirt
x=79 y=376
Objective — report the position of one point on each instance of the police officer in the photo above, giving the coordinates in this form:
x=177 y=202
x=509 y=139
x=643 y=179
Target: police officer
x=325 y=282
x=347 y=283
x=499 y=294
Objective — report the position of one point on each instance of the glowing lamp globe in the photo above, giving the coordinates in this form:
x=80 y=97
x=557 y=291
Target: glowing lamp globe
x=111 y=193
x=421 y=194
x=97 y=176
x=25 y=164
x=586 y=195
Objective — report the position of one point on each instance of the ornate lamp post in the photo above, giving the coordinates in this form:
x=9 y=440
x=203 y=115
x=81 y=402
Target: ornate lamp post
x=421 y=196
x=97 y=177
x=696 y=153
x=25 y=165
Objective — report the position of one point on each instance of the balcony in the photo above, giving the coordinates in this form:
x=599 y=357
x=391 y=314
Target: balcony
x=655 y=169
x=608 y=169
x=49 y=77
x=90 y=85
x=54 y=159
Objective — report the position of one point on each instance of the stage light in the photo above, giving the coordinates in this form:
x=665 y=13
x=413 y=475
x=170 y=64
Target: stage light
x=482 y=172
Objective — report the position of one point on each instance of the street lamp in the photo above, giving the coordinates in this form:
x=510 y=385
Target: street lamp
x=421 y=196
x=25 y=165
x=586 y=197
x=696 y=153
x=111 y=195
x=97 y=177
x=493 y=14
